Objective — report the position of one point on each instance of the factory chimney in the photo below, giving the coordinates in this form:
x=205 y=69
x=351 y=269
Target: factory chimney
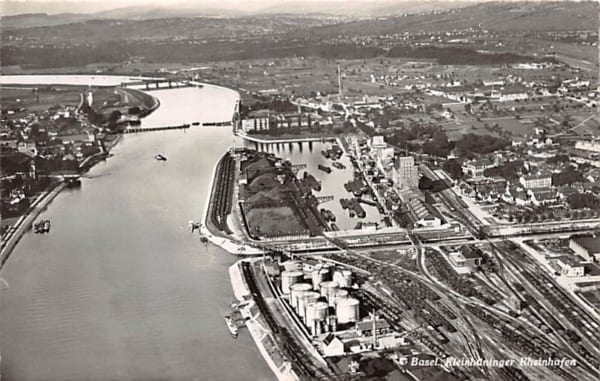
x=339 y=83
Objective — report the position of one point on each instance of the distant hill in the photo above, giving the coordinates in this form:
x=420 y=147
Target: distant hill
x=18 y=14
x=41 y=19
x=494 y=16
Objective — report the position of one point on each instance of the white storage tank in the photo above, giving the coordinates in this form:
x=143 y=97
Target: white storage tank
x=328 y=289
x=343 y=277
x=321 y=311
x=318 y=276
x=289 y=278
x=291 y=265
x=339 y=294
x=306 y=298
x=346 y=310
x=296 y=292
x=307 y=269
x=310 y=316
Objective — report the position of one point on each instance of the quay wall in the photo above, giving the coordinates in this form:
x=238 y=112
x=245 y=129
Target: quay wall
x=24 y=223
x=241 y=292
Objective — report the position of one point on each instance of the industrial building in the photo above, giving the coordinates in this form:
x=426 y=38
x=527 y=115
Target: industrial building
x=321 y=296
x=568 y=265
x=586 y=247
x=405 y=174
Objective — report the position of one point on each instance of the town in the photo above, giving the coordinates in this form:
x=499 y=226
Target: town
x=406 y=197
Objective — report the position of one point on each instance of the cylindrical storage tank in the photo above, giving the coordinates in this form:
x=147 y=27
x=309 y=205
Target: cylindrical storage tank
x=347 y=274
x=296 y=292
x=289 y=278
x=329 y=268
x=328 y=288
x=346 y=310
x=303 y=300
x=339 y=294
x=310 y=316
x=291 y=265
x=332 y=323
x=321 y=311
x=307 y=269
x=318 y=276
x=343 y=277
x=307 y=298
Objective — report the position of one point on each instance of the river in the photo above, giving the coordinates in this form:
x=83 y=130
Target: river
x=120 y=289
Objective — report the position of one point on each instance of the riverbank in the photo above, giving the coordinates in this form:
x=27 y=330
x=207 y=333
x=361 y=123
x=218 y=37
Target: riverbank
x=215 y=236
x=24 y=223
x=242 y=293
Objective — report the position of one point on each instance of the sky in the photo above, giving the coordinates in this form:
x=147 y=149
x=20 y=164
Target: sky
x=11 y=7
x=86 y=6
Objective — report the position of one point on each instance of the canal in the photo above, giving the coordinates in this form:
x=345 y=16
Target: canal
x=120 y=289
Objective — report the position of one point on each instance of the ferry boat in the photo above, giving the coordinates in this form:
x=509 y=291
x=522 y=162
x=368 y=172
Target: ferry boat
x=233 y=329
x=160 y=157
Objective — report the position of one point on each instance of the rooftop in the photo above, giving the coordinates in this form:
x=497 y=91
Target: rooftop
x=571 y=260
x=591 y=244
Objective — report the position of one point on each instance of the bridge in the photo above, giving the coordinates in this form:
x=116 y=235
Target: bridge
x=130 y=130
x=153 y=84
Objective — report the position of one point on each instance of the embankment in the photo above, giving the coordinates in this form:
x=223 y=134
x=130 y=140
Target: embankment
x=24 y=223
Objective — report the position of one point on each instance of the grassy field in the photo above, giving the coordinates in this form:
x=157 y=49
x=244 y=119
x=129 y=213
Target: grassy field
x=12 y=97
x=274 y=222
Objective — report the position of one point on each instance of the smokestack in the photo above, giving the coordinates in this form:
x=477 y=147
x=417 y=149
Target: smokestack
x=339 y=83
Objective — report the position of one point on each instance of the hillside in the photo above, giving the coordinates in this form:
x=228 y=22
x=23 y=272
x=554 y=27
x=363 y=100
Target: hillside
x=496 y=16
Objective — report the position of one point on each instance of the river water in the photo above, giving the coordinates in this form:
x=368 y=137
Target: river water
x=120 y=289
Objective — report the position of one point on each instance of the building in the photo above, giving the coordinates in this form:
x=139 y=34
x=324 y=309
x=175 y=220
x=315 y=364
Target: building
x=365 y=328
x=586 y=247
x=430 y=221
x=568 y=265
x=543 y=196
x=332 y=346
x=540 y=180
x=377 y=142
x=405 y=174
x=467 y=256
x=475 y=168
x=588 y=145
x=255 y=124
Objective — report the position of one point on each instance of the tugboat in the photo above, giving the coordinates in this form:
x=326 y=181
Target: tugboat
x=233 y=329
x=160 y=157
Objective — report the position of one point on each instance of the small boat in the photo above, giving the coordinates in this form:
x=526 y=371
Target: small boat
x=233 y=329
x=42 y=227
x=160 y=157
x=338 y=165
x=324 y=168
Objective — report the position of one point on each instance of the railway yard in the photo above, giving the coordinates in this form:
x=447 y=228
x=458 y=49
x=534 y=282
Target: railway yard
x=468 y=308
x=447 y=301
